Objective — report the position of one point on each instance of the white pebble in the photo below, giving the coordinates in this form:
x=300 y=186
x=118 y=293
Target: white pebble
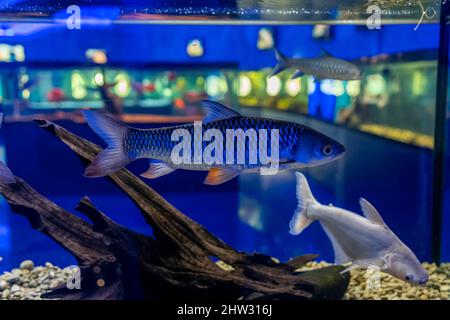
x=11 y=278
x=5 y=294
x=27 y=265
x=15 y=288
x=3 y=284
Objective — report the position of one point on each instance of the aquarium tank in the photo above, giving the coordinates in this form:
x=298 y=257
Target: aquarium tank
x=226 y=149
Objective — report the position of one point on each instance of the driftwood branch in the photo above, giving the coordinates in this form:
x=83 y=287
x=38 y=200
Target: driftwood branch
x=178 y=261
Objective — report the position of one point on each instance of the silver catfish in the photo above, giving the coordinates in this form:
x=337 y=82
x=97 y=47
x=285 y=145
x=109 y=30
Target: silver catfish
x=363 y=241
x=324 y=67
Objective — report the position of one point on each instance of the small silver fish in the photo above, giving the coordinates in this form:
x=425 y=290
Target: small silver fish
x=6 y=175
x=324 y=67
x=363 y=241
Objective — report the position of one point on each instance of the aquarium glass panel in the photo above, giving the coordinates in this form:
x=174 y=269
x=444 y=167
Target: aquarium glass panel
x=445 y=243
x=97 y=95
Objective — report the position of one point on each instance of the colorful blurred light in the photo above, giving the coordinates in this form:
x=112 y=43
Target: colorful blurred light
x=78 y=85
x=273 y=86
x=376 y=85
x=216 y=86
x=265 y=39
x=353 y=88
x=123 y=86
x=167 y=92
x=245 y=86
x=195 y=48
x=24 y=78
x=97 y=56
x=98 y=79
x=419 y=83
x=293 y=87
x=332 y=87
x=26 y=94
x=311 y=85
x=19 y=53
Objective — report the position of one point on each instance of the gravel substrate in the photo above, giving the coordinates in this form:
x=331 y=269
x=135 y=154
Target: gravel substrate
x=29 y=282
x=364 y=284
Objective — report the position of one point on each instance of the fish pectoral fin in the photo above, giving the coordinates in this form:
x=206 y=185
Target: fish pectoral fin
x=215 y=111
x=297 y=74
x=370 y=212
x=370 y=262
x=349 y=268
x=364 y=263
x=220 y=175
x=157 y=169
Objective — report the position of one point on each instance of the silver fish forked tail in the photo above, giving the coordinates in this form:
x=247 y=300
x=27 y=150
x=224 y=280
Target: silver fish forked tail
x=305 y=198
x=282 y=63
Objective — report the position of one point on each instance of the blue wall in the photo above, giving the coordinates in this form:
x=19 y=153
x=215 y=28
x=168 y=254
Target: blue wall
x=166 y=44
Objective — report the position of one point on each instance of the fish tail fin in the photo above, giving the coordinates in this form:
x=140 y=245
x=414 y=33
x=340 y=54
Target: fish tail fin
x=305 y=198
x=282 y=63
x=112 y=132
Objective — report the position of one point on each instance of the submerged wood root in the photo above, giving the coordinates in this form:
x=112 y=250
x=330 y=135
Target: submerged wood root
x=178 y=261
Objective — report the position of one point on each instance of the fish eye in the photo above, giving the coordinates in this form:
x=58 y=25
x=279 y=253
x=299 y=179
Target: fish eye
x=327 y=150
x=408 y=277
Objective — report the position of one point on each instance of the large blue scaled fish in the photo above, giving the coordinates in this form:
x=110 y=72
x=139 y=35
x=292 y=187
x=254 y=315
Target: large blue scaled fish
x=298 y=145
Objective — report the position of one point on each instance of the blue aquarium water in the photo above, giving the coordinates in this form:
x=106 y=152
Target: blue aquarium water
x=150 y=63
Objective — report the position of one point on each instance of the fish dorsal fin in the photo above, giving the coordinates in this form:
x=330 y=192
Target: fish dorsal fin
x=370 y=212
x=215 y=111
x=325 y=53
